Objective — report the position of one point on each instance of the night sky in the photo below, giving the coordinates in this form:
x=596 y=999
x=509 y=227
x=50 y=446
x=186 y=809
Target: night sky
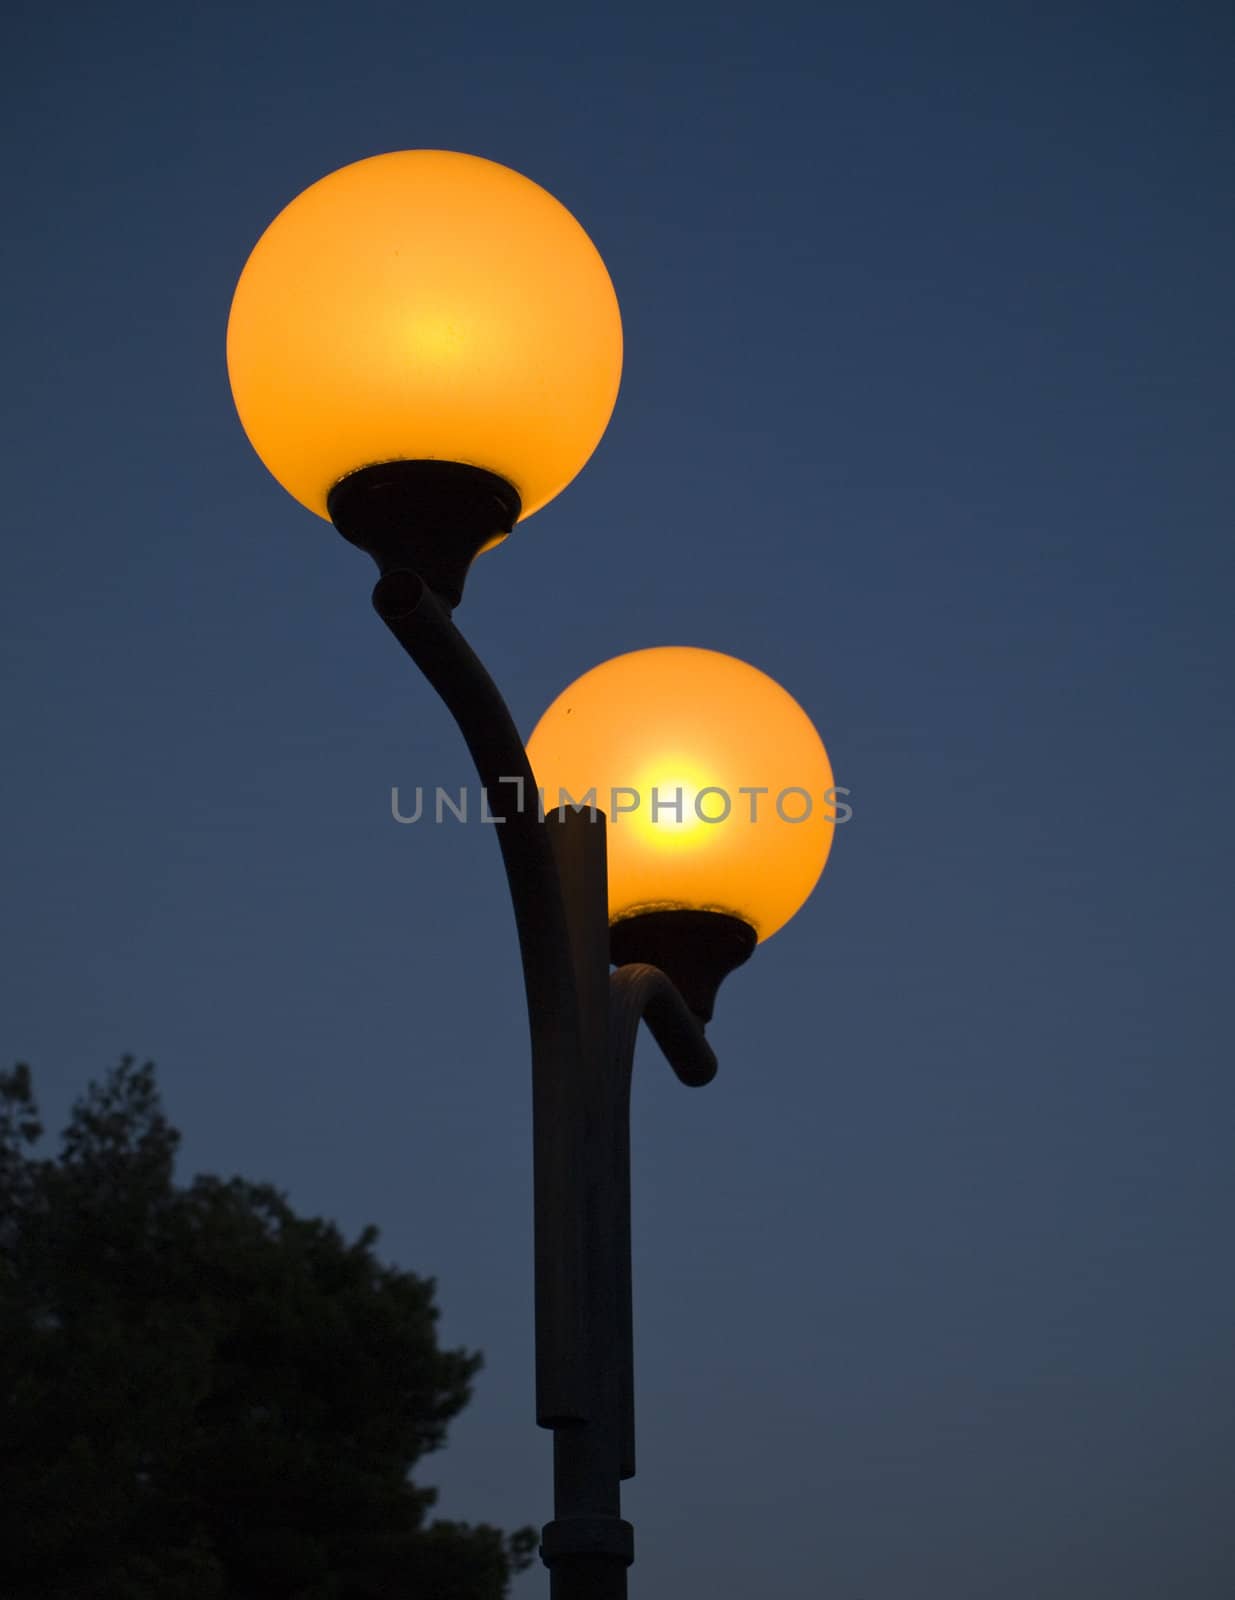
x=926 y=412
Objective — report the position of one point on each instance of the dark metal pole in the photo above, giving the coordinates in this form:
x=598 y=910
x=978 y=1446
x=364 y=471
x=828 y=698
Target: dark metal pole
x=562 y=918
x=588 y=1546
x=423 y=626
x=583 y=1029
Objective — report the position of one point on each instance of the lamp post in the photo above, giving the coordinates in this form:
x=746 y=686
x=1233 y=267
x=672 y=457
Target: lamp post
x=424 y=348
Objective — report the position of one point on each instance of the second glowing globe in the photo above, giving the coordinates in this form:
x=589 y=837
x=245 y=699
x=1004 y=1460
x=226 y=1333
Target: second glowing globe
x=718 y=789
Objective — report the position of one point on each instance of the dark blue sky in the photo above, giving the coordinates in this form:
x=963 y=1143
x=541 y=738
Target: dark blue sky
x=926 y=412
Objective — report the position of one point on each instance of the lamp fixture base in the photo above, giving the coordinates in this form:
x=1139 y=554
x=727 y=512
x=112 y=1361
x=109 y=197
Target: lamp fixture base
x=696 y=950
x=428 y=517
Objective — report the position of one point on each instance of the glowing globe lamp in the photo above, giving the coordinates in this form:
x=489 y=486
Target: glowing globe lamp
x=719 y=797
x=425 y=306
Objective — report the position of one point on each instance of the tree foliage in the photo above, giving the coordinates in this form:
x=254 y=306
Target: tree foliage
x=205 y=1396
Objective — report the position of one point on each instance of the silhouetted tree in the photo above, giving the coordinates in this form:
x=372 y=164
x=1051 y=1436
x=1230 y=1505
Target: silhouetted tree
x=205 y=1396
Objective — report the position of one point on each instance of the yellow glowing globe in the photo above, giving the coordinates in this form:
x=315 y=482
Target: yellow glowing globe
x=718 y=790
x=424 y=305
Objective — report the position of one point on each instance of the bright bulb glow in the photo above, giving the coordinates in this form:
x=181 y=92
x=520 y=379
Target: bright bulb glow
x=745 y=758
x=424 y=305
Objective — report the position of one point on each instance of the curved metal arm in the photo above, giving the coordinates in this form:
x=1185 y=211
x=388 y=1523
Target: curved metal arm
x=423 y=626
x=640 y=993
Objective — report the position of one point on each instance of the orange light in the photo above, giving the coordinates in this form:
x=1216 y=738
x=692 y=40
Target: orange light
x=424 y=305
x=718 y=789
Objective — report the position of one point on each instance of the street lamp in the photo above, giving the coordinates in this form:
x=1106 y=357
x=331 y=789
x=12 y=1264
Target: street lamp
x=424 y=348
x=721 y=800
x=425 y=306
